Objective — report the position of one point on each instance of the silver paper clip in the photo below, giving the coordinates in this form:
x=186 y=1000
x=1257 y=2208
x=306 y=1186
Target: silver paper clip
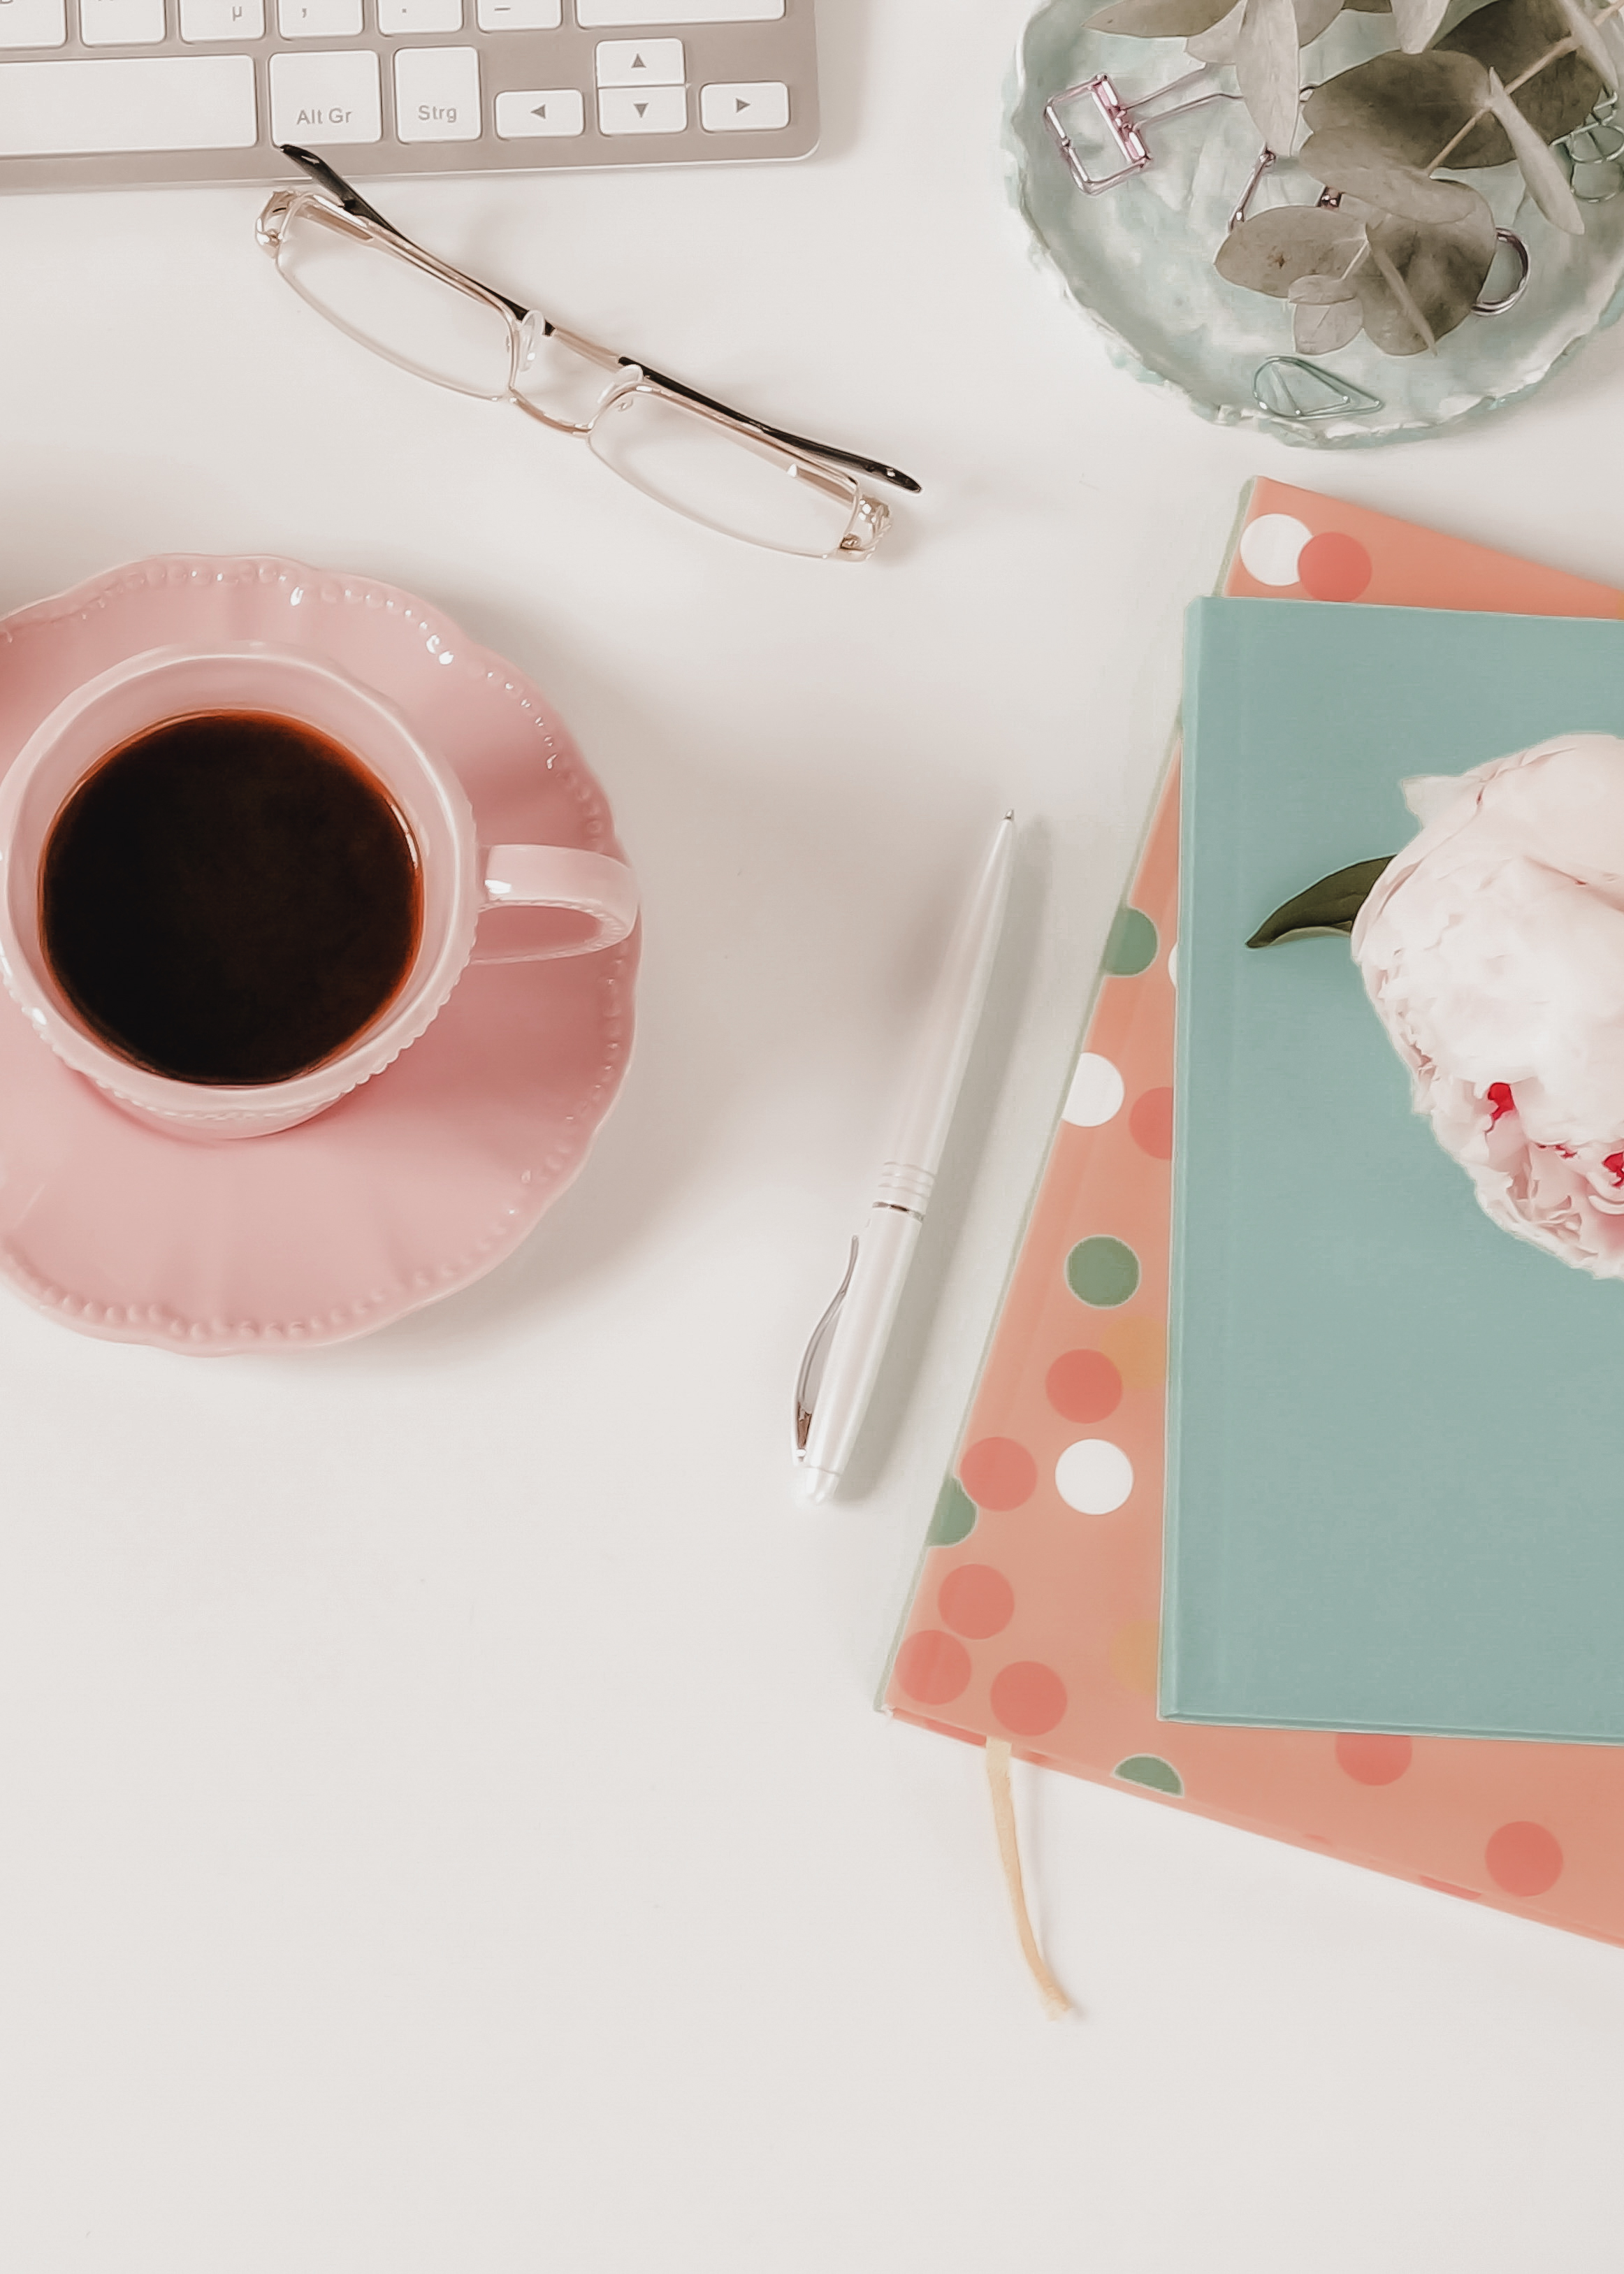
x=1123 y=122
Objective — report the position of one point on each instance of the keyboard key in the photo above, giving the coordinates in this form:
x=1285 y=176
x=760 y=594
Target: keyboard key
x=419 y=15
x=436 y=94
x=540 y=110
x=745 y=108
x=520 y=15
x=325 y=98
x=593 y=15
x=32 y=23
x=639 y=62
x=222 y=20
x=134 y=102
x=121 y=23
x=629 y=110
x=318 y=20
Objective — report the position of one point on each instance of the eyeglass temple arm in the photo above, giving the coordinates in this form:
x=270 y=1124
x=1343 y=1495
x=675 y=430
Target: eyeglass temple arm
x=353 y=202
x=347 y=195
x=881 y=472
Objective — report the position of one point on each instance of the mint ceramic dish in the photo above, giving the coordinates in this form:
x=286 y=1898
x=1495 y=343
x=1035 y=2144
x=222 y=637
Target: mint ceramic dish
x=1138 y=258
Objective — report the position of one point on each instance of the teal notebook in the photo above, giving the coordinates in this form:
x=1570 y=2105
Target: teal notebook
x=1396 y=1494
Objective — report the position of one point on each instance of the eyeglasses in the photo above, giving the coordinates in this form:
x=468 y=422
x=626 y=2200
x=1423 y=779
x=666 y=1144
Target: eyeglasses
x=719 y=467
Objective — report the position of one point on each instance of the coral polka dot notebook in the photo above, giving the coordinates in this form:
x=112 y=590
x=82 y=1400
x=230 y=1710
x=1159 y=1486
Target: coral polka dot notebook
x=1035 y=1615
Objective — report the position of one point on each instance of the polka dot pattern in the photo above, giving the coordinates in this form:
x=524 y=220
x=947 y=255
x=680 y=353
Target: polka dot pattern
x=1332 y=566
x=1272 y=545
x=1079 y=1357
x=1525 y=1859
x=1103 y=1271
x=1096 y=1092
x=954 y=1518
x=1131 y=945
x=933 y=1668
x=1093 y=1476
x=1149 y=1769
x=975 y=1600
x=998 y=1474
x=1151 y=1124
x=1083 y=1385
x=1369 y=1759
x=1028 y=1699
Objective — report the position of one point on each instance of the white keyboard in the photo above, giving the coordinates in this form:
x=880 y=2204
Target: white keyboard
x=100 y=92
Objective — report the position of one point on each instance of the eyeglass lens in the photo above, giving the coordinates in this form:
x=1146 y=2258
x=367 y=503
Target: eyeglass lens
x=686 y=459
x=704 y=469
x=396 y=308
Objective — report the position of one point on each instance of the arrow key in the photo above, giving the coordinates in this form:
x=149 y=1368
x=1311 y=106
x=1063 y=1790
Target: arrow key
x=642 y=111
x=752 y=107
x=540 y=110
x=639 y=62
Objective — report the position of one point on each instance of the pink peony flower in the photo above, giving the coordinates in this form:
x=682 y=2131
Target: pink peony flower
x=1492 y=948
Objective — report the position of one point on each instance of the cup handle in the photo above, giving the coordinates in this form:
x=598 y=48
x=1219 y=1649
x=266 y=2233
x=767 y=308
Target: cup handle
x=596 y=897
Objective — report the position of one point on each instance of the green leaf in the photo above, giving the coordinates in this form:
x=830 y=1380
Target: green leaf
x=1330 y=905
x=1218 y=46
x=1585 y=29
x=1349 y=158
x=1412 y=107
x=1439 y=272
x=1416 y=21
x=1158 y=19
x=1547 y=184
x=1265 y=66
x=1325 y=314
x=1271 y=250
x=1509 y=36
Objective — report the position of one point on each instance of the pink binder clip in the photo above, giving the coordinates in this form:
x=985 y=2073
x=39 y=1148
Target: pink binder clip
x=1123 y=122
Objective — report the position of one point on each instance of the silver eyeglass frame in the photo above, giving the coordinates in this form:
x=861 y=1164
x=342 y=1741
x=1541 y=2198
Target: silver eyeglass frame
x=337 y=205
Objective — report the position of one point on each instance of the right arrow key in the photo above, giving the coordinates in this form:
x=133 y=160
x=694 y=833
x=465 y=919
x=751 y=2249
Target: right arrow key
x=750 y=107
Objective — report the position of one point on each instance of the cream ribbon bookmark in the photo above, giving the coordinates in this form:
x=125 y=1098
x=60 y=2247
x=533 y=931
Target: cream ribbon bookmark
x=1056 y=2003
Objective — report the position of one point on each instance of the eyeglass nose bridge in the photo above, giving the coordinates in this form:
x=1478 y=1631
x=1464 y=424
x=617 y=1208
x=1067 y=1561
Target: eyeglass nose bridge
x=531 y=334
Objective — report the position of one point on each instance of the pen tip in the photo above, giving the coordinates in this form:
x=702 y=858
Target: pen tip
x=1009 y=813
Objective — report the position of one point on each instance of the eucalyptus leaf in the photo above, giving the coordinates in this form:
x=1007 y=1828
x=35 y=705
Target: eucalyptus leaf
x=1416 y=21
x=1345 y=158
x=1218 y=45
x=1158 y=19
x=1330 y=905
x=1266 y=64
x=1314 y=17
x=1417 y=327
x=1270 y=250
x=1509 y=36
x=1586 y=30
x=1327 y=313
x=1372 y=7
x=1412 y=107
x=1440 y=271
x=1547 y=184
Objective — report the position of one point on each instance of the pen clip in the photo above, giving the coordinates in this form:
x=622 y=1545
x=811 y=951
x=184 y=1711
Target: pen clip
x=810 y=1377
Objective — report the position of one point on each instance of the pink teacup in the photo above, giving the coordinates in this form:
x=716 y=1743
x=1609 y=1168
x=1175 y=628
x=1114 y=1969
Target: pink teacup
x=594 y=896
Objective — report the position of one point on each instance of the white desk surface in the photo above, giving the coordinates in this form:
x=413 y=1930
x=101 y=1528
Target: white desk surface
x=443 y=1825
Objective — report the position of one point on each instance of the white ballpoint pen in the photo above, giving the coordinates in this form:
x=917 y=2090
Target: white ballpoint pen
x=843 y=1357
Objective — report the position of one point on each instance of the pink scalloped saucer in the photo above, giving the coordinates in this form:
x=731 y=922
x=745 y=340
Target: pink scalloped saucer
x=430 y=1174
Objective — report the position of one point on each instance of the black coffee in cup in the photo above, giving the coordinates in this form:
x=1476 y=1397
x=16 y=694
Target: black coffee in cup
x=229 y=899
